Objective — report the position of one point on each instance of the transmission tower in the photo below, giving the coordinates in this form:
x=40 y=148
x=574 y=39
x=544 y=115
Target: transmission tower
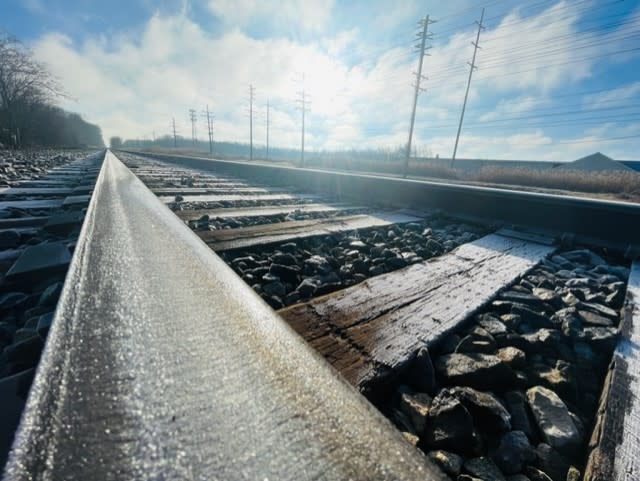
x=193 y=118
x=267 y=129
x=303 y=106
x=421 y=49
x=466 y=94
x=252 y=92
x=175 y=141
x=209 y=118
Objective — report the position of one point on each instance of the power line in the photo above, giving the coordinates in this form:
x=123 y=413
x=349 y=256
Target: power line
x=628 y=117
x=553 y=12
x=446 y=84
x=406 y=55
x=466 y=95
x=592 y=141
x=422 y=48
x=497 y=60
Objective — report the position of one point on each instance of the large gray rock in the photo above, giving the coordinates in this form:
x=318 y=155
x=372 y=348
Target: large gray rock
x=543 y=341
x=478 y=340
x=274 y=288
x=39 y=261
x=483 y=468
x=514 y=357
x=516 y=404
x=492 y=325
x=450 y=463
x=551 y=462
x=285 y=272
x=533 y=302
x=593 y=319
x=537 y=475
x=514 y=452
x=416 y=408
x=598 y=309
x=532 y=317
x=553 y=420
x=421 y=374
x=449 y=426
x=284 y=259
x=549 y=296
x=308 y=287
x=480 y=371
x=13 y=393
x=11 y=300
x=601 y=337
x=560 y=379
x=488 y=413
x=9 y=238
x=50 y=295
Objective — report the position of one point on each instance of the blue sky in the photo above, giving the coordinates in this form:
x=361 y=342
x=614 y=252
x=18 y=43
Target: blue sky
x=556 y=79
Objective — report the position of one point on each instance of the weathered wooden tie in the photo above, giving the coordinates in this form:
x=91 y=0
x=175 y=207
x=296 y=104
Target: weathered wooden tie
x=192 y=214
x=234 y=197
x=615 y=442
x=223 y=189
x=377 y=326
x=220 y=240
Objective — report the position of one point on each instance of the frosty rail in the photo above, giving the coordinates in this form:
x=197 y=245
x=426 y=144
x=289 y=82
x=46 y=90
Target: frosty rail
x=162 y=364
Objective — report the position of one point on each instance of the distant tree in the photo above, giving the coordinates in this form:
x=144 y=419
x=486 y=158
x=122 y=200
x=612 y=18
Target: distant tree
x=24 y=84
x=27 y=113
x=115 y=142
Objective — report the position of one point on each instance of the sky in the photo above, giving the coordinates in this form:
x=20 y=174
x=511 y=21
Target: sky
x=555 y=80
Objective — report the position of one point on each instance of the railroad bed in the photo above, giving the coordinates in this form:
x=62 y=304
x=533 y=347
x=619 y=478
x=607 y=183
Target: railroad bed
x=487 y=347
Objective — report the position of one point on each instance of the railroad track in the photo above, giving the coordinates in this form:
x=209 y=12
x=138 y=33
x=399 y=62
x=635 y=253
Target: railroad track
x=485 y=345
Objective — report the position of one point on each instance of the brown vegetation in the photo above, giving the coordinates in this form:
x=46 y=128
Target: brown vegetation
x=608 y=181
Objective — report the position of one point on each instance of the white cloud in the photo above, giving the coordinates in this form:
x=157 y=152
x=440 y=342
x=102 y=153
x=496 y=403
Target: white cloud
x=133 y=83
x=309 y=14
x=516 y=105
x=34 y=6
x=620 y=95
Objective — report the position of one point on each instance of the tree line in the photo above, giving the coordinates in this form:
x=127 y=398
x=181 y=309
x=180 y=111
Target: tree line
x=28 y=114
x=241 y=150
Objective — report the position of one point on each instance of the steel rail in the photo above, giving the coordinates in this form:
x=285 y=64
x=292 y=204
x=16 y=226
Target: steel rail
x=163 y=364
x=595 y=221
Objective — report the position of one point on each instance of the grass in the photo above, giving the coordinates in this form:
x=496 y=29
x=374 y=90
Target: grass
x=620 y=182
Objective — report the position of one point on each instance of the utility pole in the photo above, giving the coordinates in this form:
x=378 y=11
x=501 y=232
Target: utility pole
x=267 y=129
x=466 y=94
x=251 y=95
x=193 y=118
x=209 y=116
x=421 y=49
x=175 y=142
x=303 y=106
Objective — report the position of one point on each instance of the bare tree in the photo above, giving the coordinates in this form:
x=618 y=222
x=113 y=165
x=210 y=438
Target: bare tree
x=25 y=83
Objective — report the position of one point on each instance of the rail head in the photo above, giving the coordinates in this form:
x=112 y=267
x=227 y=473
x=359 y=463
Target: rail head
x=162 y=364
